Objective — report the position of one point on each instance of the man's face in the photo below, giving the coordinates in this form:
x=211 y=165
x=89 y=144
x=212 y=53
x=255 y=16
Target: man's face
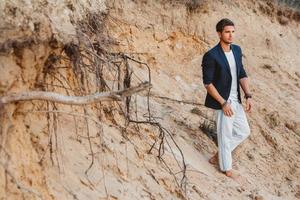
x=227 y=34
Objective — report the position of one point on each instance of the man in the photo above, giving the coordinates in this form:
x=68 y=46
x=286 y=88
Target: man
x=223 y=73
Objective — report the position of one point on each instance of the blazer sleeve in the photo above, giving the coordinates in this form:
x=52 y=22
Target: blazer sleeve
x=243 y=73
x=208 y=68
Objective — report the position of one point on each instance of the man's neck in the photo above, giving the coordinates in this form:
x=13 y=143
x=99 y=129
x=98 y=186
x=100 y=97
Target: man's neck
x=225 y=46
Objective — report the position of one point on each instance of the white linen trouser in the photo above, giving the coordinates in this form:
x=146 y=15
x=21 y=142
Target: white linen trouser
x=231 y=131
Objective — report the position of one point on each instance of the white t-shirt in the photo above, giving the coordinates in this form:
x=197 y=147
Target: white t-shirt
x=233 y=91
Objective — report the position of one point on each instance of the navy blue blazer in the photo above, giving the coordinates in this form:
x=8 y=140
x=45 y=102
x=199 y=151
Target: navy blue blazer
x=216 y=70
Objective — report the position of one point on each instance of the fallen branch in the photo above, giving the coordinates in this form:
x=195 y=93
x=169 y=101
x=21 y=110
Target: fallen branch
x=74 y=100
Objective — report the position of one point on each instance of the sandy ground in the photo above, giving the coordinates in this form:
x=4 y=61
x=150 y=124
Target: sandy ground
x=172 y=40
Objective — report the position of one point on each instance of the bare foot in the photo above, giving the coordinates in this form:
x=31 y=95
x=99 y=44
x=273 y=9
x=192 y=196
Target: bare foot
x=236 y=177
x=214 y=160
x=232 y=174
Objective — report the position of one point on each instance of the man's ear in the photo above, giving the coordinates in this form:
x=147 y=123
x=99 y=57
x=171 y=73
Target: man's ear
x=219 y=34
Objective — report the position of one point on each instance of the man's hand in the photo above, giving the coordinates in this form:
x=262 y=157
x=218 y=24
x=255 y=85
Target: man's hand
x=248 y=105
x=227 y=109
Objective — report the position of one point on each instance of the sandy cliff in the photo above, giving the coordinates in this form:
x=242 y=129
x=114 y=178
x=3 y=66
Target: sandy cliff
x=54 y=151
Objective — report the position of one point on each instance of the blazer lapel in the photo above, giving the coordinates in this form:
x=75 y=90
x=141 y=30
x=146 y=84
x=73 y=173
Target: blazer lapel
x=224 y=59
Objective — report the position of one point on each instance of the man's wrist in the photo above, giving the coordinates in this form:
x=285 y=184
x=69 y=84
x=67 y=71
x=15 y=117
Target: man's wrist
x=247 y=95
x=223 y=103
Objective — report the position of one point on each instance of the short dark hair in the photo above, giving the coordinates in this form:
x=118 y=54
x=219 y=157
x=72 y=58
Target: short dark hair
x=222 y=23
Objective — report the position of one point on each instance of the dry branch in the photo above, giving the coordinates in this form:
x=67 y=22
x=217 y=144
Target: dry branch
x=74 y=100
